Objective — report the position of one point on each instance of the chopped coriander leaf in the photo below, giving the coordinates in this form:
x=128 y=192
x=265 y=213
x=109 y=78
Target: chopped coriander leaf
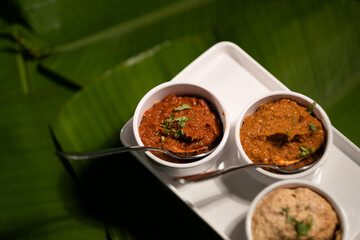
x=313 y=127
x=293 y=120
x=183 y=107
x=167 y=131
x=286 y=210
x=168 y=121
x=157 y=132
x=162 y=138
x=297 y=205
x=307 y=207
x=305 y=151
x=181 y=120
x=168 y=125
x=303 y=228
x=179 y=133
x=311 y=108
x=288 y=133
x=302 y=154
x=192 y=116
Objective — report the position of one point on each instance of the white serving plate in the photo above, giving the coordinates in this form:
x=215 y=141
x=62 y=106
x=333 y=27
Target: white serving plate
x=228 y=72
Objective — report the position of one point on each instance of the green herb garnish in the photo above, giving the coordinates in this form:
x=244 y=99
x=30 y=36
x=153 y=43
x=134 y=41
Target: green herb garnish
x=286 y=210
x=192 y=116
x=162 y=138
x=293 y=120
x=181 y=121
x=183 y=107
x=305 y=151
x=313 y=127
x=168 y=122
x=169 y=127
x=311 y=108
x=307 y=207
x=288 y=133
x=179 y=133
x=301 y=227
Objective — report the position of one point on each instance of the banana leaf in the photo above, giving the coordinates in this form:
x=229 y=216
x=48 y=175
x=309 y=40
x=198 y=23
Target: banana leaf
x=311 y=46
x=36 y=195
x=118 y=36
x=37 y=199
x=106 y=104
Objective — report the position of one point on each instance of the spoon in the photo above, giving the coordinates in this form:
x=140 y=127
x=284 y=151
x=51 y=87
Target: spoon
x=211 y=174
x=112 y=151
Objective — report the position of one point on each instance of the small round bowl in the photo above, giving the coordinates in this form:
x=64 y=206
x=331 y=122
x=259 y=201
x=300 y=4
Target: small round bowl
x=158 y=94
x=295 y=184
x=265 y=176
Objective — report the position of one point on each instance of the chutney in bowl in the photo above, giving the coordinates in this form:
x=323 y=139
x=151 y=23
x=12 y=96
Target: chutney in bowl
x=283 y=128
x=184 y=115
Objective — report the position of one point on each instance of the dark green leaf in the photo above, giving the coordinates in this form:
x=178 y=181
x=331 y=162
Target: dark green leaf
x=37 y=198
x=93 y=118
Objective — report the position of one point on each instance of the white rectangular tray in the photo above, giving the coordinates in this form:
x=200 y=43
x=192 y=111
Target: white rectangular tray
x=231 y=74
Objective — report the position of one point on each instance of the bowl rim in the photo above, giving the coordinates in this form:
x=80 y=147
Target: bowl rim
x=296 y=183
x=223 y=111
x=271 y=97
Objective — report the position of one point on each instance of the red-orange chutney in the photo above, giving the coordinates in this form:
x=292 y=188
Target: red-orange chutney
x=282 y=133
x=181 y=124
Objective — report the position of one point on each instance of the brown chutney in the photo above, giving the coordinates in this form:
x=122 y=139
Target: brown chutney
x=295 y=213
x=282 y=133
x=180 y=124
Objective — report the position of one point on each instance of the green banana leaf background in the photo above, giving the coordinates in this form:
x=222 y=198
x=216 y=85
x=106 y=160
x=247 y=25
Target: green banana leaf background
x=72 y=73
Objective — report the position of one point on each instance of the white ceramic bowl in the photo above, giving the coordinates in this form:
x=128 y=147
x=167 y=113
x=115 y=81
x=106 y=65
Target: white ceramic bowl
x=295 y=184
x=158 y=94
x=267 y=177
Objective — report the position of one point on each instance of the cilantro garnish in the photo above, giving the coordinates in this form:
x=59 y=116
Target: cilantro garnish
x=301 y=227
x=183 y=107
x=305 y=151
x=192 y=116
x=168 y=121
x=288 y=133
x=181 y=122
x=293 y=120
x=178 y=133
x=313 y=127
x=286 y=210
x=311 y=108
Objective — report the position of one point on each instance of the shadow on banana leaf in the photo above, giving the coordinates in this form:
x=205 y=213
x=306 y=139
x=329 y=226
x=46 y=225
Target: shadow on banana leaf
x=122 y=193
